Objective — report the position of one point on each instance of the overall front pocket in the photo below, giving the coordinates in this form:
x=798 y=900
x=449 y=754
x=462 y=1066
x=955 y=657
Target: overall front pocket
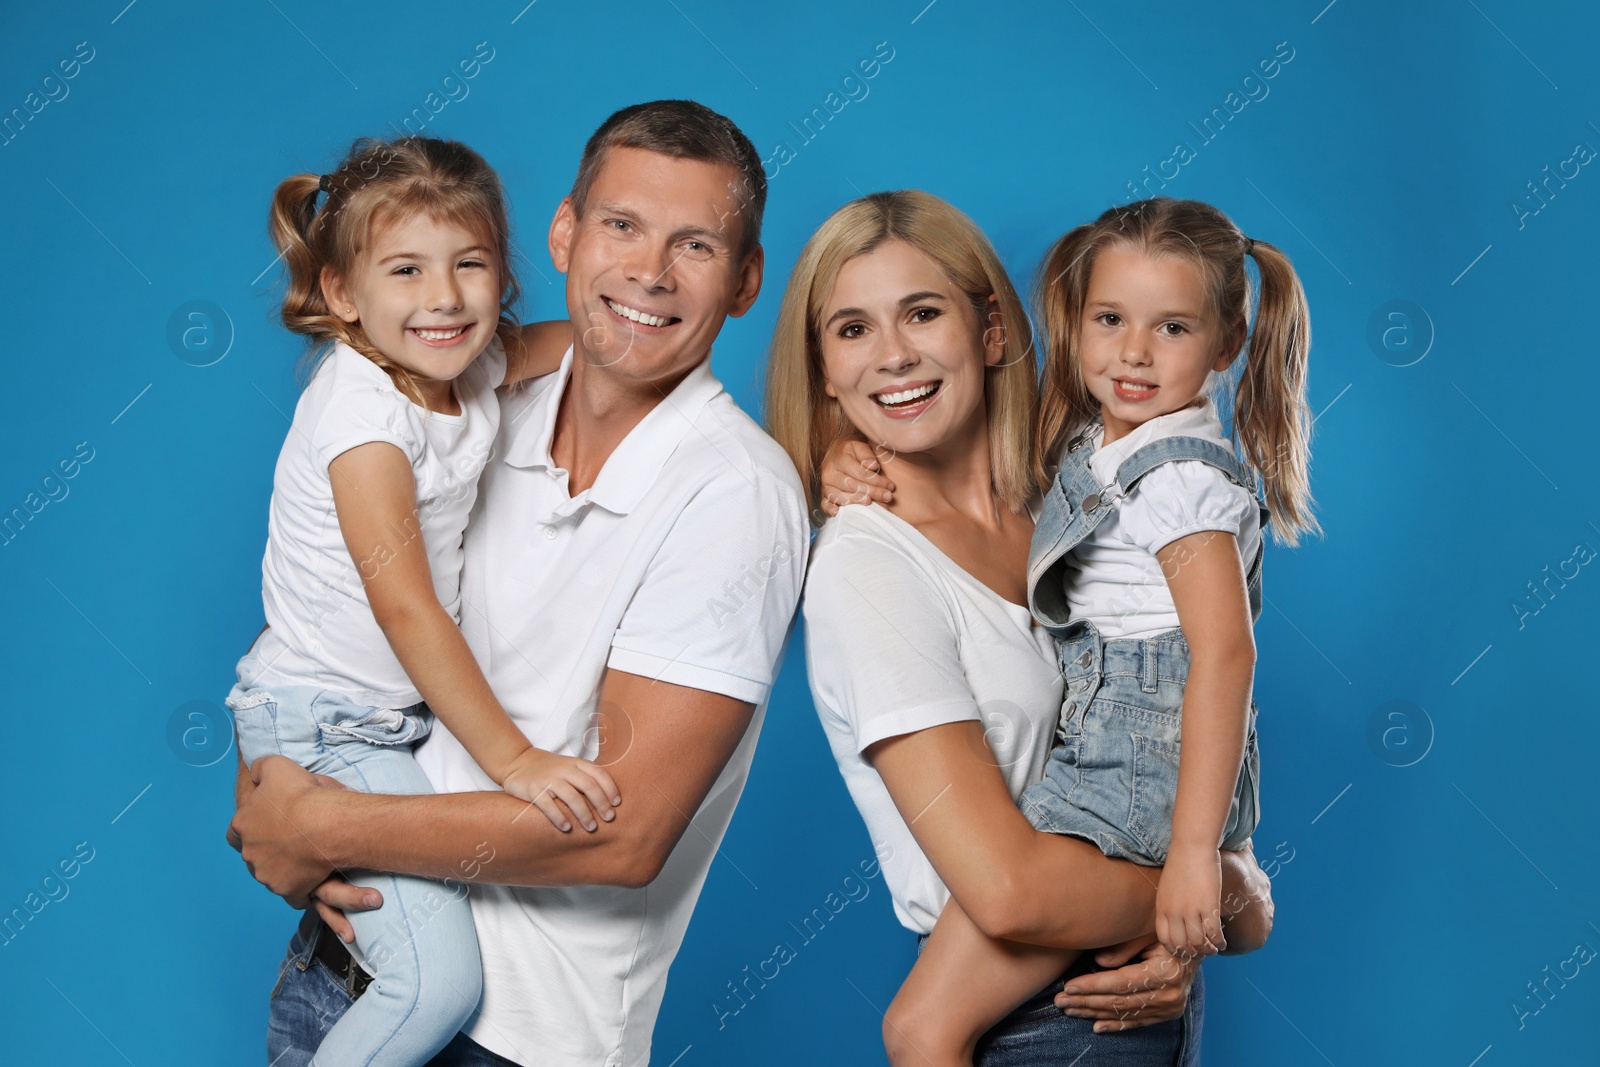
x=1155 y=792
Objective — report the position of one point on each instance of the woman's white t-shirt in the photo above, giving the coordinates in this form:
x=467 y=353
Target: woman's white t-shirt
x=1113 y=578
x=899 y=639
x=321 y=630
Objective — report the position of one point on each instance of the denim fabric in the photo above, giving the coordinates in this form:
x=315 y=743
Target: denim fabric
x=1038 y=1034
x=421 y=943
x=1112 y=777
x=1076 y=504
x=308 y=1000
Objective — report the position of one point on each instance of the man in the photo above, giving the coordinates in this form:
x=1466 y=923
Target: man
x=632 y=570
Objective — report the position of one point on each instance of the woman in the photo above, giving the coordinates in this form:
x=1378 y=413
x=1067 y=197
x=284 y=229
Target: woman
x=938 y=695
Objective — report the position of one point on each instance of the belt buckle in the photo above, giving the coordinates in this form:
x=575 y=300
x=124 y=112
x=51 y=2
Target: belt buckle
x=340 y=963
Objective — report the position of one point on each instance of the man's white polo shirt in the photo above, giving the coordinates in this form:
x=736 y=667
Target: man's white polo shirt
x=682 y=562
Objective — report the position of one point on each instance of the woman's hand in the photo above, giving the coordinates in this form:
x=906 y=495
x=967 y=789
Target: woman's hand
x=268 y=829
x=1152 y=990
x=559 y=784
x=853 y=474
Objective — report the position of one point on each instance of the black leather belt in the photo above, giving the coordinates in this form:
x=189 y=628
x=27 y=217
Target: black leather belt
x=332 y=954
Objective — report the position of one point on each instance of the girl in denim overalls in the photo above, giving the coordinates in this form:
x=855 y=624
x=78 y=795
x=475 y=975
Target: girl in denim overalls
x=1146 y=565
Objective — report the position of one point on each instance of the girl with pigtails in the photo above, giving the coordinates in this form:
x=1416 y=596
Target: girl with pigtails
x=400 y=279
x=1145 y=565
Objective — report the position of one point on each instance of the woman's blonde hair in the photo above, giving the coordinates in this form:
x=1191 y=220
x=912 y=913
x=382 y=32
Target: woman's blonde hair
x=800 y=414
x=1271 y=426
x=378 y=183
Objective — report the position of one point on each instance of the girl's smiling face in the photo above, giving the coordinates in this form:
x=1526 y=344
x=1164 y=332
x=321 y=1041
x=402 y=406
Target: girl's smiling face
x=427 y=295
x=1149 y=338
x=903 y=351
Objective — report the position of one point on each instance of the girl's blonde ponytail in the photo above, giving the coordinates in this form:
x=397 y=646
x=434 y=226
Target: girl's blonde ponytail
x=1271 y=422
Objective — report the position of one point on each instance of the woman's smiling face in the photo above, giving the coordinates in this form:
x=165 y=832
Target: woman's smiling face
x=903 y=351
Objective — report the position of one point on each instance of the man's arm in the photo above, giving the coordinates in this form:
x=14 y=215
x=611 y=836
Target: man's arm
x=664 y=744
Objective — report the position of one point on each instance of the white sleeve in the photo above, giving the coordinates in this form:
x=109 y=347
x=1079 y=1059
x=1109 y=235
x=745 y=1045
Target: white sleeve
x=1180 y=498
x=716 y=602
x=361 y=414
x=881 y=642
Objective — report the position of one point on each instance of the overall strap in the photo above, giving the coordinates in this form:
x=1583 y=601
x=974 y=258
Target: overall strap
x=1171 y=449
x=1070 y=513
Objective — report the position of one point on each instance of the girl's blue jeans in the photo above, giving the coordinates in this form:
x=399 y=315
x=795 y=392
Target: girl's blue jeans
x=309 y=999
x=421 y=944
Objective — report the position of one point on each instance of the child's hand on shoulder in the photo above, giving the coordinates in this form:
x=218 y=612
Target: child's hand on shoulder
x=558 y=784
x=852 y=473
x=1188 y=904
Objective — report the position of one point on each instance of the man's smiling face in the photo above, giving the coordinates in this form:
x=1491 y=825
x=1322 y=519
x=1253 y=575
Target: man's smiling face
x=653 y=264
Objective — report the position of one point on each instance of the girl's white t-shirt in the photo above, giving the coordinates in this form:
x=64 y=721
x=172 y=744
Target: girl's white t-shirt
x=1113 y=578
x=899 y=639
x=321 y=630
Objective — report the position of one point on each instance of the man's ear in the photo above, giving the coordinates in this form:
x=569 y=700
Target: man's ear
x=750 y=272
x=562 y=230
x=337 y=294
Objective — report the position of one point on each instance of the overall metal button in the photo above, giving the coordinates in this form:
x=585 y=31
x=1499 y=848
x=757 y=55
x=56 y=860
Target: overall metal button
x=1084 y=660
x=1091 y=501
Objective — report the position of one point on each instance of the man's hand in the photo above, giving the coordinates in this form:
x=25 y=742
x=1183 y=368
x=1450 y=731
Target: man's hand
x=336 y=896
x=1152 y=990
x=266 y=829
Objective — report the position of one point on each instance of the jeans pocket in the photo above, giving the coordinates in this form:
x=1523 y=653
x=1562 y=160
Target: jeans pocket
x=339 y=719
x=1155 y=790
x=255 y=724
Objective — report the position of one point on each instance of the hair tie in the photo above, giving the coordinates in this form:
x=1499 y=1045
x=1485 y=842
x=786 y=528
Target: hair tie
x=1249 y=245
x=325 y=183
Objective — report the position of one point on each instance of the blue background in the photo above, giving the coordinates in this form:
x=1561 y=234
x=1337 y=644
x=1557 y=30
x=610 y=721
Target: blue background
x=1429 y=795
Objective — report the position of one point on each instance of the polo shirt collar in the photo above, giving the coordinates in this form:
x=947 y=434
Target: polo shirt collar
x=632 y=468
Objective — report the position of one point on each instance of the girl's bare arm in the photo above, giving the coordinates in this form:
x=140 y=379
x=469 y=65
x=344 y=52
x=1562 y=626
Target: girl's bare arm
x=1207 y=580
x=537 y=349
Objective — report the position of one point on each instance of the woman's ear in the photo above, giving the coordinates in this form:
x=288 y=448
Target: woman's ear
x=994 y=333
x=337 y=294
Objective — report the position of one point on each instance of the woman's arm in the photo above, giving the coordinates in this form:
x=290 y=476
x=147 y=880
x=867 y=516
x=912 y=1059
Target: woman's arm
x=1014 y=881
x=537 y=349
x=374 y=494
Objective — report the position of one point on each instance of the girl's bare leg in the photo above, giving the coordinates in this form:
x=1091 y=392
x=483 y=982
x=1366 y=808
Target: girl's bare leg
x=963 y=983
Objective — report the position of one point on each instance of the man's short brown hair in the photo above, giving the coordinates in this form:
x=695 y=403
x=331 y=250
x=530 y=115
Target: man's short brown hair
x=681 y=129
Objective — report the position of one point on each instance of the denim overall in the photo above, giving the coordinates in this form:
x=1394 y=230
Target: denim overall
x=1112 y=776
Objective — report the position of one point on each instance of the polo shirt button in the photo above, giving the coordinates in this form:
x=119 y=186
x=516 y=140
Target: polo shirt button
x=549 y=533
